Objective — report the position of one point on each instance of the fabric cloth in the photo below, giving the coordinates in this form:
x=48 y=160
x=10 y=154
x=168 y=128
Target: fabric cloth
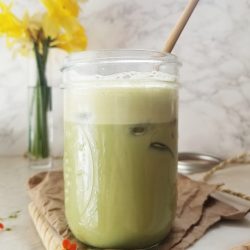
x=196 y=211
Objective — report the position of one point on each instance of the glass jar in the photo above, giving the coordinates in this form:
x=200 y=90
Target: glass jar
x=120 y=146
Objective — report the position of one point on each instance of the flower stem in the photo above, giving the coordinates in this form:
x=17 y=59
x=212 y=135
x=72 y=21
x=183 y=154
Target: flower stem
x=41 y=104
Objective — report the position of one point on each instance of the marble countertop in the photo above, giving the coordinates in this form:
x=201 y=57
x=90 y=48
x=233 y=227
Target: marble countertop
x=14 y=173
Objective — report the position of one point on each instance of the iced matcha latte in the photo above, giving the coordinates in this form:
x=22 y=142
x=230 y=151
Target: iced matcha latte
x=120 y=159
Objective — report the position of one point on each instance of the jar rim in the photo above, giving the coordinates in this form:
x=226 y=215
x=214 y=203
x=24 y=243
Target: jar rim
x=93 y=56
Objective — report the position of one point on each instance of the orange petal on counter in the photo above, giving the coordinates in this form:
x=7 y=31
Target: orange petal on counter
x=67 y=245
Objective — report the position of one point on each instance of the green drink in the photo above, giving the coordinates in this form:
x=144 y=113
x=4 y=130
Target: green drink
x=120 y=147
x=120 y=158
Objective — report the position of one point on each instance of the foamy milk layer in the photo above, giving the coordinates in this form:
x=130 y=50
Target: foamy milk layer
x=143 y=98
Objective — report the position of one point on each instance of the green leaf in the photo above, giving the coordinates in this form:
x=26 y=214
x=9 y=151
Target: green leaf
x=14 y=215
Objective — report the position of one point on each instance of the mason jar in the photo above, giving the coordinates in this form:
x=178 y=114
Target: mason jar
x=120 y=146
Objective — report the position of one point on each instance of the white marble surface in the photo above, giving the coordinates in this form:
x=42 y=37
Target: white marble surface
x=215 y=76
x=13 y=197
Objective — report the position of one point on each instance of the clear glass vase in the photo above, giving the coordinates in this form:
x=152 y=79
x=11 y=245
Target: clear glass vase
x=40 y=126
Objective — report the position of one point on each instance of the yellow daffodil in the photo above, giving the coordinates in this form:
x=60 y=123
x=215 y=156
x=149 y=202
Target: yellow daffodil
x=14 y=29
x=69 y=42
x=61 y=17
x=10 y=26
x=51 y=28
x=62 y=7
x=58 y=27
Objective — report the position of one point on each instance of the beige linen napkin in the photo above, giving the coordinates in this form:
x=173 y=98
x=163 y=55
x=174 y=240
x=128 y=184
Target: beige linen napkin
x=196 y=211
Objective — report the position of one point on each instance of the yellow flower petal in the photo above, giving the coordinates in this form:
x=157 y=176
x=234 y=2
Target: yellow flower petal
x=10 y=26
x=62 y=7
x=14 y=29
x=71 y=5
x=61 y=24
x=50 y=27
x=72 y=42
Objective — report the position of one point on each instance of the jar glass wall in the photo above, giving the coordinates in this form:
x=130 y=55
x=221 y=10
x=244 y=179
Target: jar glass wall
x=120 y=156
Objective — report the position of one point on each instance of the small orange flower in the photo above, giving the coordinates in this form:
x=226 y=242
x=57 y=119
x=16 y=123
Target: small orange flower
x=1 y=226
x=67 y=245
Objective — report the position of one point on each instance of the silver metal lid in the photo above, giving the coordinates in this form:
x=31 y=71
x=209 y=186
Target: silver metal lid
x=190 y=163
